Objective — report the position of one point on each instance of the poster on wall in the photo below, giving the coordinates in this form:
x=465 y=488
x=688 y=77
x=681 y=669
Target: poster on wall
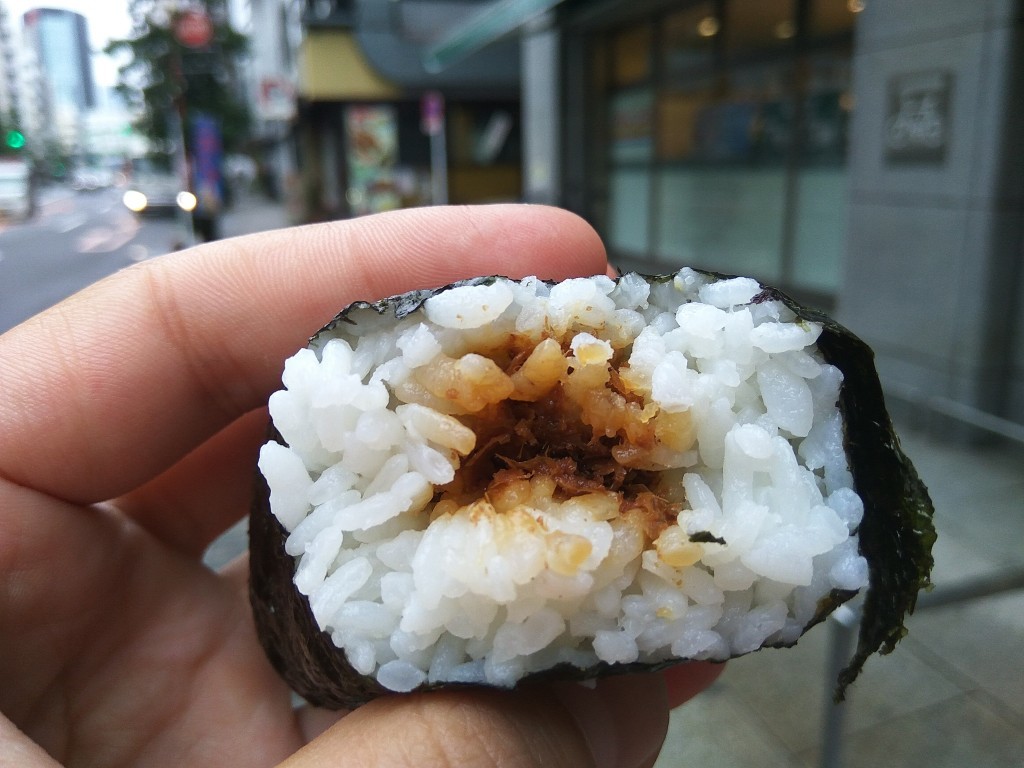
x=371 y=153
x=276 y=99
x=917 y=118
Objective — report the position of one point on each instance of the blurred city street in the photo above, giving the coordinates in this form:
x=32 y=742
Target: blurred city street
x=76 y=238
x=862 y=156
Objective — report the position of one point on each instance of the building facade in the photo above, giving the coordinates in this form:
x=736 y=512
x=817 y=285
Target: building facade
x=376 y=130
x=713 y=134
x=60 y=80
x=933 y=275
x=10 y=97
x=270 y=74
x=61 y=41
x=863 y=156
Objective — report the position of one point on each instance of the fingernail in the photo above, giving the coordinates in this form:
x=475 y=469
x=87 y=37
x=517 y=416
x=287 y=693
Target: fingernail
x=623 y=718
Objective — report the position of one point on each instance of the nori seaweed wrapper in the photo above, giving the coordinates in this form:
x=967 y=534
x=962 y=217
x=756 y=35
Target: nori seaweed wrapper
x=303 y=654
x=896 y=533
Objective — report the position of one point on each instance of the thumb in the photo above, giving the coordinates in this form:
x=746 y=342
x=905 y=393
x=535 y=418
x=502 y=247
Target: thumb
x=618 y=723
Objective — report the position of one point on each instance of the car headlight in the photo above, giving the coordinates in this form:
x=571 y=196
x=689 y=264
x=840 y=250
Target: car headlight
x=134 y=200
x=186 y=201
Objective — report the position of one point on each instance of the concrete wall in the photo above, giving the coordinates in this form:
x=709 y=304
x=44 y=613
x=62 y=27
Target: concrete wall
x=932 y=277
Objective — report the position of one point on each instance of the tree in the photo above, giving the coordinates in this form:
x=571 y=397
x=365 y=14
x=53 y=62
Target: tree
x=168 y=82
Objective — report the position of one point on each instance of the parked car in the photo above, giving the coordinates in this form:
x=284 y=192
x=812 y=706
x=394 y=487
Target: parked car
x=153 y=190
x=17 y=196
x=90 y=179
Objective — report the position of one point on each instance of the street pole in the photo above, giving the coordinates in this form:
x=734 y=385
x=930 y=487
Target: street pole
x=180 y=155
x=432 y=116
x=181 y=171
x=193 y=28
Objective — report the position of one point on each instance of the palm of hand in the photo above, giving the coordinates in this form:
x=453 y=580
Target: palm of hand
x=129 y=652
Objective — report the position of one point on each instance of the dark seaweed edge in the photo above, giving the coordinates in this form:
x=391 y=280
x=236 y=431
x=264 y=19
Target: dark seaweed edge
x=897 y=532
x=302 y=653
x=895 y=535
x=401 y=305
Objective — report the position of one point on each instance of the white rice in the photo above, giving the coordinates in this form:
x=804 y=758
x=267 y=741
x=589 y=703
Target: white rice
x=375 y=420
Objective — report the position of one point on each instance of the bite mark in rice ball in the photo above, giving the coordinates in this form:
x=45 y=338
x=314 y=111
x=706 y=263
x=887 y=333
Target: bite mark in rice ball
x=502 y=479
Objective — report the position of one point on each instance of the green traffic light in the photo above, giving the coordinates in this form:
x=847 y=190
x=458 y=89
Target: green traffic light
x=15 y=139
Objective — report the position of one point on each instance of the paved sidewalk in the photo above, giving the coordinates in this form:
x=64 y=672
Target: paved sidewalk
x=254 y=213
x=950 y=696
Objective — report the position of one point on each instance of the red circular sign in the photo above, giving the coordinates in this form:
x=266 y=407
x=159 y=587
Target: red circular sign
x=193 y=29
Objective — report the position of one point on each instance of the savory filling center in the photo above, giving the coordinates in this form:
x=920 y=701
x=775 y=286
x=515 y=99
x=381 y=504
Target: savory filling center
x=548 y=438
x=569 y=415
x=522 y=477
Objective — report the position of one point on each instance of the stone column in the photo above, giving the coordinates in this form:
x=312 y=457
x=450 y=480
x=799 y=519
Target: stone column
x=933 y=275
x=539 y=62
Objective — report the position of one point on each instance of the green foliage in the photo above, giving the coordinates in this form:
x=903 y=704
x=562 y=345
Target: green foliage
x=162 y=79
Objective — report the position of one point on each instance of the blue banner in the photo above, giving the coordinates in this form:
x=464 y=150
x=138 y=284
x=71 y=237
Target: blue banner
x=206 y=164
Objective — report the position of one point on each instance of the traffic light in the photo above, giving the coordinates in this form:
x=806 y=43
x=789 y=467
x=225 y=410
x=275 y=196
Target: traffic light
x=15 y=139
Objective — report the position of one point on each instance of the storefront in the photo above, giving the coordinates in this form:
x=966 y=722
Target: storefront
x=715 y=134
x=370 y=143
x=864 y=156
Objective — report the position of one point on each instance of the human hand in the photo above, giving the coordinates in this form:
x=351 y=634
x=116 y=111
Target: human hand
x=131 y=417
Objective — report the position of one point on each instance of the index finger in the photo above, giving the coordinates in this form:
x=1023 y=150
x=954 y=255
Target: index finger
x=112 y=386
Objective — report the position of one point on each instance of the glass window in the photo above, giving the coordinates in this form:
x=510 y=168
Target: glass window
x=631 y=145
x=755 y=26
x=482 y=134
x=632 y=118
x=678 y=116
x=723 y=138
x=629 y=208
x=722 y=218
x=820 y=231
x=688 y=42
x=631 y=55
x=832 y=17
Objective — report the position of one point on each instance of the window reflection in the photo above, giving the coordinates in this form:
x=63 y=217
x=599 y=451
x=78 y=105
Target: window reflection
x=632 y=117
x=755 y=26
x=829 y=17
x=631 y=55
x=727 y=127
x=688 y=43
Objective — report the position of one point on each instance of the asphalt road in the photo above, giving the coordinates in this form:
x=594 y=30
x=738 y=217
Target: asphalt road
x=74 y=239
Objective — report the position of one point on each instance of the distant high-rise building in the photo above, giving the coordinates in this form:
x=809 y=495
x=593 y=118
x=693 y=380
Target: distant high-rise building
x=61 y=42
x=8 y=69
x=58 y=43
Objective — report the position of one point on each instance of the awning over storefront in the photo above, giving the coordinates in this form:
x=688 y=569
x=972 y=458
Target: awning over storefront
x=394 y=37
x=481 y=29
x=332 y=68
